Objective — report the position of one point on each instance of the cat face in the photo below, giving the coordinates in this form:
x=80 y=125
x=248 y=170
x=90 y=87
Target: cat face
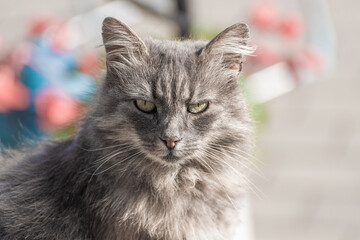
x=173 y=100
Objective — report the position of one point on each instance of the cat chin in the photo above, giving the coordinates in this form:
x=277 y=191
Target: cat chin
x=172 y=157
x=168 y=157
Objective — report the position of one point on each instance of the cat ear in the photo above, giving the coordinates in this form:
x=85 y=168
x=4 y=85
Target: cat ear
x=123 y=47
x=229 y=47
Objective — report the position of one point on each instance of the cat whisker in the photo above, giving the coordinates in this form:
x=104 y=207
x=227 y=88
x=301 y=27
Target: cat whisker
x=254 y=170
x=110 y=156
x=124 y=149
x=117 y=163
x=103 y=148
x=216 y=157
x=220 y=146
x=244 y=176
x=249 y=184
x=139 y=163
x=221 y=182
x=237 y=139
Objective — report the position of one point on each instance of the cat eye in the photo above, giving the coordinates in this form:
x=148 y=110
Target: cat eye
x=145 y=106
x=198 y=107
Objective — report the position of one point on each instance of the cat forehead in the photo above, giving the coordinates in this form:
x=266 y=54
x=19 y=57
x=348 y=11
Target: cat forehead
x=187 y=48
x=174 y=68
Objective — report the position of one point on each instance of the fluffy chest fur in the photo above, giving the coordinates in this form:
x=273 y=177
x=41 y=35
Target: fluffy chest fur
x=189 y=204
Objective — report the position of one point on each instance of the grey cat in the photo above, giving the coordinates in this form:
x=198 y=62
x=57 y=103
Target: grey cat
x=162 y=154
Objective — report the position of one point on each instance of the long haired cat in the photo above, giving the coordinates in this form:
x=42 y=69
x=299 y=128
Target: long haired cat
x=162 y=154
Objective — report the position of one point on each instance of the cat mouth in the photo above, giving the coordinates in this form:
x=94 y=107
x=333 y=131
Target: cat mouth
x=171 y=157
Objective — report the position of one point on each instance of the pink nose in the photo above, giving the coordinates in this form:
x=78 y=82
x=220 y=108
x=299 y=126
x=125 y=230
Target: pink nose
x=170 y=141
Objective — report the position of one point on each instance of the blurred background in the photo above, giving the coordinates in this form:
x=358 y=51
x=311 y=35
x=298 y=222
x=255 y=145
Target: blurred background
x=302 y=84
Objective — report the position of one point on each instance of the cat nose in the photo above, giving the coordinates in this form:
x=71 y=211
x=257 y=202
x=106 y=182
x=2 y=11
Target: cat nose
x=170 y=141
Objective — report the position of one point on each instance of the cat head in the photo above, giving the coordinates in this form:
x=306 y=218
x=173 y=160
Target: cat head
x=173 y=101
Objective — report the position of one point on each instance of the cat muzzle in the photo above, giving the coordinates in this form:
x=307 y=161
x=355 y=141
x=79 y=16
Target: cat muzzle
x=170 y=142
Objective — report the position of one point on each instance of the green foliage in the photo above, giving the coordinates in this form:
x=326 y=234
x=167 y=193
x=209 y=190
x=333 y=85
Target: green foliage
x=203 y=33
x=257 y=111
x=64 y=133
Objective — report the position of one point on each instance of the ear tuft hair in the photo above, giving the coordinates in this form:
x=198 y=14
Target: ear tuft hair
x=123 y=47
x=230 y=47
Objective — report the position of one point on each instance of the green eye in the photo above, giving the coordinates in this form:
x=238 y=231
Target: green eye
x=198 y=107
x=145 y=106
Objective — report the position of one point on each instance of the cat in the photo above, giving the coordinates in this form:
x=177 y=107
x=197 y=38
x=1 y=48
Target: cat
x=161 y=155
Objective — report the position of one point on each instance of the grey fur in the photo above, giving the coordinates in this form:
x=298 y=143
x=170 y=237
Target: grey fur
x=116 y=179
